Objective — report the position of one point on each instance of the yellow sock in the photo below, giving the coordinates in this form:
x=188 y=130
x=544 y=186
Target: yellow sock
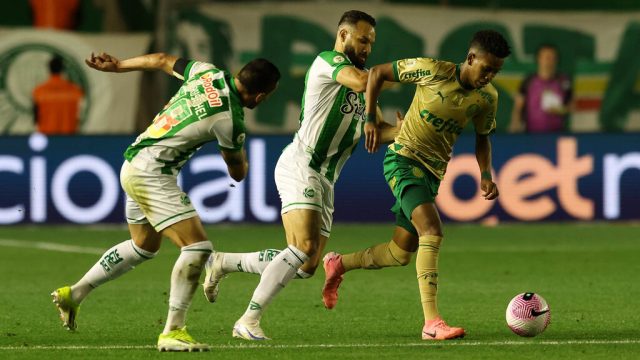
x=427 y=271
x=377 y=257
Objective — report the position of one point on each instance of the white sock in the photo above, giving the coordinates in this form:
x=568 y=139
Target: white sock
x=274 y=278
x=185 y=278
x=254 y=262
x=302 y=274
x=113 y=263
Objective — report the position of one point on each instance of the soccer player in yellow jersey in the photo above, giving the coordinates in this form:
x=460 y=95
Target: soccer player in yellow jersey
x=448 y=96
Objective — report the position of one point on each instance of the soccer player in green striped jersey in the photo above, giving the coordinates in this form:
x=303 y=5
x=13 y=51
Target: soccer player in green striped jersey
x=331 y=124
x=207 y=107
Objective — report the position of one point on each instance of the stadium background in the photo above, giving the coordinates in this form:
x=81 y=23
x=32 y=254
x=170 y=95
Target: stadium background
x=566 y=218
x=547 y=177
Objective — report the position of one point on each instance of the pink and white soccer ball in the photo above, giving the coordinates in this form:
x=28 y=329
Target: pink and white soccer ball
x=528 y=314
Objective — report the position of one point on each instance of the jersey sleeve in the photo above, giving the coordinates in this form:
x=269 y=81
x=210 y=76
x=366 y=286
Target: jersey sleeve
x=230 y=134
x=485 y=121
x=336 y=61
x=415 y=70
x=184 y=69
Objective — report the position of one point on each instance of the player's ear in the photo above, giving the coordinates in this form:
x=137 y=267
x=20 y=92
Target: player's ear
x=343 y=32
x=260 y=97
x=471 y=56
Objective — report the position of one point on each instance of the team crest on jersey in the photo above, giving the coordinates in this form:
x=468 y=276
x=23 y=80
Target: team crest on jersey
x=338 y=59
x=309 y=193
x=240 y=138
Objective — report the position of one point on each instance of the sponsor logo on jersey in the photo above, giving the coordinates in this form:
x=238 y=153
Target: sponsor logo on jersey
x=352 y=104
x=485 y=95
x=472 y=110
x=240 y=138
x=212 y=94
x=415 y=74
x=450 y=125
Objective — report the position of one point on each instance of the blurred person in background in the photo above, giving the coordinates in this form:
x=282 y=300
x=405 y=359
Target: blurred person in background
x=55 y=14
x=544 y=100
x=56 y=102
x=207 y=107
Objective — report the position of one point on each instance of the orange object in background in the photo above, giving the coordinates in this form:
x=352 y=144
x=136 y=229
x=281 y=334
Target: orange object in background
x=56 y=103
x=56 y=14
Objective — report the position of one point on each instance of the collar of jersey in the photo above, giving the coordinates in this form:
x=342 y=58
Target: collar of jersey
x=232 y=85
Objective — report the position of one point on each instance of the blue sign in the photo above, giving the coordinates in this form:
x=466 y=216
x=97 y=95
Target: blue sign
x=540 y=177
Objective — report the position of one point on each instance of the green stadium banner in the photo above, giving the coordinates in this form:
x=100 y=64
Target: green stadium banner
x=110 y=101
x=594 y=46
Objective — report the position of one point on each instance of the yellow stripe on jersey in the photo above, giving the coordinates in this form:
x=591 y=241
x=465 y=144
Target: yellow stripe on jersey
x=440 y=109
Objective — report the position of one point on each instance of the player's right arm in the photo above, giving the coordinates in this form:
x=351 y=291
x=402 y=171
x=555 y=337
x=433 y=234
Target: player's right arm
x=353 y=78
x=377 y=76
x=237 y=163
x=158 y=61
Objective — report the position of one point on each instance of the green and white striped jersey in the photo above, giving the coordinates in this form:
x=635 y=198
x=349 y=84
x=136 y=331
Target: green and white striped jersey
x=332 y=116
x=207 y=107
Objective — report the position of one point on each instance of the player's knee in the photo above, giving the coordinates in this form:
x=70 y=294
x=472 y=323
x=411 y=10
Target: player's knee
x=309 y=247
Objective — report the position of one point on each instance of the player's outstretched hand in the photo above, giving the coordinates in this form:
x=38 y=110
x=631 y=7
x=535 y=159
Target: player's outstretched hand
x=103 y=62
x=371 y=137
x=489 y=189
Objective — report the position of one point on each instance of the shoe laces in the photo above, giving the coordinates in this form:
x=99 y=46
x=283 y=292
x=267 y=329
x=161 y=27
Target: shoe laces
x=183 y=335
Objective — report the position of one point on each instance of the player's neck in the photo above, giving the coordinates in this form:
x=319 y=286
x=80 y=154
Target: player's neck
x=462 y=76
x=241 y=90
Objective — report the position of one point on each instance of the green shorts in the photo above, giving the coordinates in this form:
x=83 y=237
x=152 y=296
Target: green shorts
x=412 y=184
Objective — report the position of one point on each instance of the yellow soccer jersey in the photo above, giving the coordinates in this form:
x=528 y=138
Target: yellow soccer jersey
x=440 y=109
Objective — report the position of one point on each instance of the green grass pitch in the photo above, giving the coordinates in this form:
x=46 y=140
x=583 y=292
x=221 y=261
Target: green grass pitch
x=589 y=274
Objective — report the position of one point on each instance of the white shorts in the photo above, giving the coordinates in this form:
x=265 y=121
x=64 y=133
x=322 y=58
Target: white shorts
x=154 y=199
x=301 y=187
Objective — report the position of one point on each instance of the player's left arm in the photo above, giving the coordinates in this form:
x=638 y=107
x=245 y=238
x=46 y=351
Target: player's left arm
x=237 y=163
x=108 y=63
x=485 y=124
x=483 y=156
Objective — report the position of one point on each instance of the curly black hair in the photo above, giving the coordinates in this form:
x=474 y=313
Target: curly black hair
x=352 y=17
x=491 y=41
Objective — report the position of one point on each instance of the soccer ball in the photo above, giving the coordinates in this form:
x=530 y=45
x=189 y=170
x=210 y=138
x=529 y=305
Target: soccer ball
x=528 y=314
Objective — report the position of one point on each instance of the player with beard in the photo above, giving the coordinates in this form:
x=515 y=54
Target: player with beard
x=331 y=123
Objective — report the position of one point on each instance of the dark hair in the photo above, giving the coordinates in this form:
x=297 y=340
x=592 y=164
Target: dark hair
x=259 y=76
x=56 y=65
x=352 y=17
x=491 y=41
